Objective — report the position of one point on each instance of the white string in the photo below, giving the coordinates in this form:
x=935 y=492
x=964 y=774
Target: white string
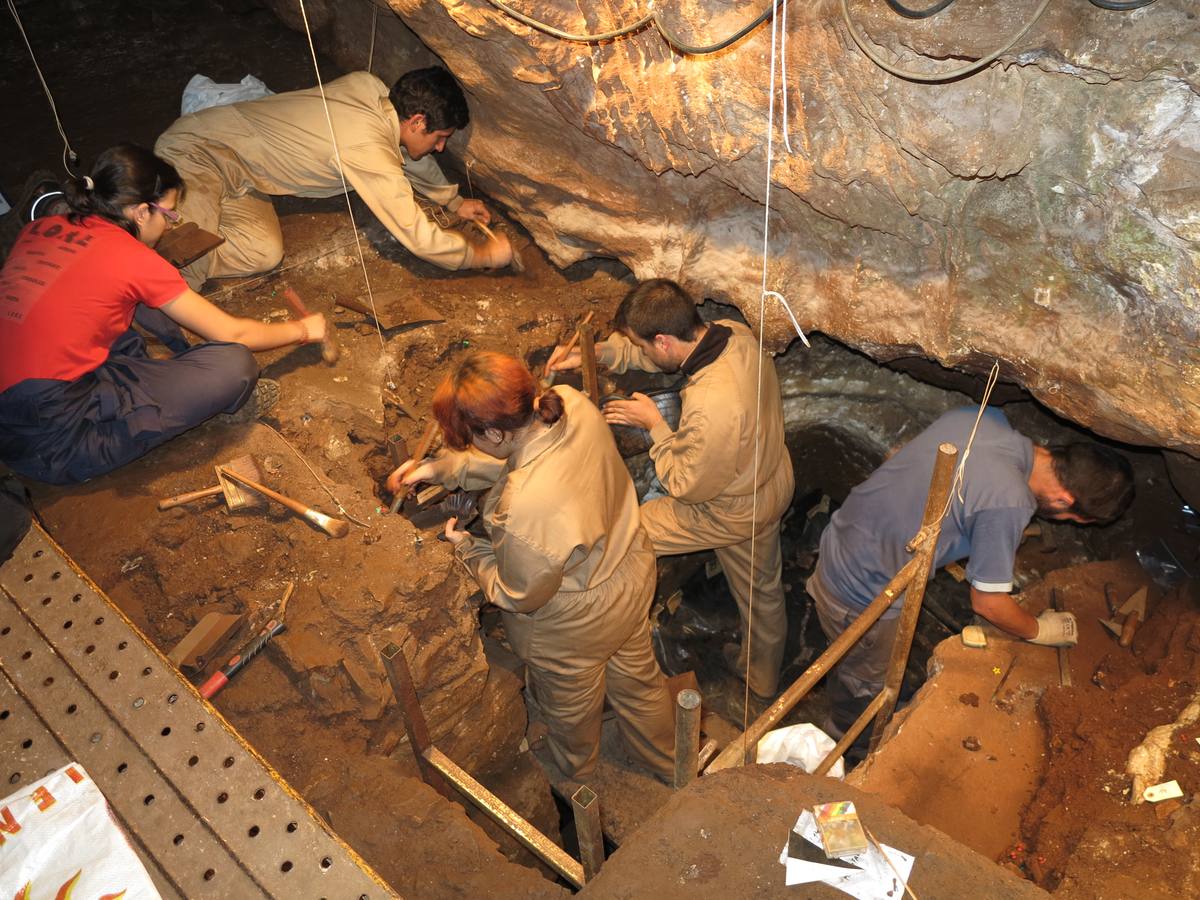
x=771 y=165
x=68 y=151
x=787 y=141
x=371 y=51
x=337 y=157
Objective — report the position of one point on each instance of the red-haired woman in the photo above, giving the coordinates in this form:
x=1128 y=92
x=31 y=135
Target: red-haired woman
x=566 y=558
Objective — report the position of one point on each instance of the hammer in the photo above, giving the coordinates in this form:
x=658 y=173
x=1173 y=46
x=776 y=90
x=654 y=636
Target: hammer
x=329 y=345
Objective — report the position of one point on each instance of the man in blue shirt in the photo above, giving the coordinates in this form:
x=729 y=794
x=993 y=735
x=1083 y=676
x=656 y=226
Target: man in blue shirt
x=1007 y=480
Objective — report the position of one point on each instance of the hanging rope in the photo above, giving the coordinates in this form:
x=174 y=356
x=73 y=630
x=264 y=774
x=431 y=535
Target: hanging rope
x=337 y=156
x=70 y=157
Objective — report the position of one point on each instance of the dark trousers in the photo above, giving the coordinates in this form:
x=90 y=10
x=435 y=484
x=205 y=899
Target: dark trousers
x=64 y=432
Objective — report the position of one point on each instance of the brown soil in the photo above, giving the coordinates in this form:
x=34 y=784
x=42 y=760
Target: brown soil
x=1081 y=831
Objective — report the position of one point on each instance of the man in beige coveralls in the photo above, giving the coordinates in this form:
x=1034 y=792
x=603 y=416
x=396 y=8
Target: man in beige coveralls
x=706 y=465
x=234 y=158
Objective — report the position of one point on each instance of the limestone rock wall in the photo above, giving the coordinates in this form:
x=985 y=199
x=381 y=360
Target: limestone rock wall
x=1044 y=213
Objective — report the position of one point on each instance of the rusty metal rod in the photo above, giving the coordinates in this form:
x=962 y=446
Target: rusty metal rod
x=931 y=524
x=852 y=734
x=687 y=736
x=504 y=816
x=735 y=751
x=586 y=807
x=400 y=677
x=587 y=362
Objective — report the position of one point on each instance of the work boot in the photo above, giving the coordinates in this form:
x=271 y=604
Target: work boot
x=266 y=395
x=731 y=653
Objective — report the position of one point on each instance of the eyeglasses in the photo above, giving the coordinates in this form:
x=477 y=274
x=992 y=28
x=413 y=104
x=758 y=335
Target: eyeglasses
x=172 y=216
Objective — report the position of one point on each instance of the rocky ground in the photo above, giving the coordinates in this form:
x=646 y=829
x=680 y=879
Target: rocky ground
x=316 y=704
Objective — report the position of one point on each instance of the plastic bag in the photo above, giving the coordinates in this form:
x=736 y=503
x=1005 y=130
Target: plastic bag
x=60 y=839
x=804 y=745
x=202 y=92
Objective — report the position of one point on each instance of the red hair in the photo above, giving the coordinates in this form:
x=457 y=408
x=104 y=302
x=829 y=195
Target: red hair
x=490 y=390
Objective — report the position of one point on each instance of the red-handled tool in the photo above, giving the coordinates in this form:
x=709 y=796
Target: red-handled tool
x=250 y=650
x=219 y=679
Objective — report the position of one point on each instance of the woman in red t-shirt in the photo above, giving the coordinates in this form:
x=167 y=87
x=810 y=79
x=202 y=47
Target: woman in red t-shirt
x=79 y=396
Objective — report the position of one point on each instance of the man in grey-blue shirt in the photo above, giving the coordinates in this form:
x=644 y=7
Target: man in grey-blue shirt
x=1007 y=481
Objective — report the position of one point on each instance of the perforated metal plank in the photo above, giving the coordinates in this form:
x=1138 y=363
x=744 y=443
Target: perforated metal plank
x=208 y=814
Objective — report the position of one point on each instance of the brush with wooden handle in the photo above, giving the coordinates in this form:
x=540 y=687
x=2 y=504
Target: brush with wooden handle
x=569 y=346
x=337 y=528
x=181 y=499
x=330 y=351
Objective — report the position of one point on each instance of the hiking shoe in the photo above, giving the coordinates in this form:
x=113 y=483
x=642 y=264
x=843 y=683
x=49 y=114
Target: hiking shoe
x=266 y=395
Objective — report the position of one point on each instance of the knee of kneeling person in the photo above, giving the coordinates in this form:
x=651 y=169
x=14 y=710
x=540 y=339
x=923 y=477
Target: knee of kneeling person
x=237 y=366
x=266 y=254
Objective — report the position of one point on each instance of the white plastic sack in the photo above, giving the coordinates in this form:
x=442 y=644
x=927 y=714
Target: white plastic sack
x=58 y=839
x=202 y=92
x=804 y=745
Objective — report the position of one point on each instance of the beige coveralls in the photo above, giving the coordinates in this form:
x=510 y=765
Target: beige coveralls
x=707 y=467
x=572 y=569
x=232 y=157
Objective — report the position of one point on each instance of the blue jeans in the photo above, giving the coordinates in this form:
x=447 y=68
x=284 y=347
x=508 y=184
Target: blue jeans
x=65 y=432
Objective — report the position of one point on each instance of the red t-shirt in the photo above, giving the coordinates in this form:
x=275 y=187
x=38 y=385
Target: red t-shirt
x=68 y=291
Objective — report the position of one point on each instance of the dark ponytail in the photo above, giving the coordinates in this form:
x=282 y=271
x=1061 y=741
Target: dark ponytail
x=124 y=175
x=549 y=407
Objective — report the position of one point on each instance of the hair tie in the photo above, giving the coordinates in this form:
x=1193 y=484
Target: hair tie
x=88 y=184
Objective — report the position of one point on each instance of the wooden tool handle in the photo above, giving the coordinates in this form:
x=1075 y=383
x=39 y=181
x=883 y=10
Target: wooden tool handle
x=1129 y=629
x=426 y=441
x=570 y=345
x=294 y=301
x=180 y=499
x=355 y=306
x=332 y=527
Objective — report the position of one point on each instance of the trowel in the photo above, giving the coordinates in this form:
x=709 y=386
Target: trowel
x=1134 y=611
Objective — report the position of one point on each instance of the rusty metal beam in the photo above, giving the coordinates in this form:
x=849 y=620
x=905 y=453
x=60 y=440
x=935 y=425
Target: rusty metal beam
x=507 y=818
x=400 y=677
x=587 y=362
x=586 y=807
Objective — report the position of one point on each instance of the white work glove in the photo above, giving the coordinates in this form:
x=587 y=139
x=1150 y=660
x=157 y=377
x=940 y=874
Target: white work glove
x=1056 y=629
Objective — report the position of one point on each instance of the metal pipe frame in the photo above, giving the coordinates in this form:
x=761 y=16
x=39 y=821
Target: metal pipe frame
x=687 y=737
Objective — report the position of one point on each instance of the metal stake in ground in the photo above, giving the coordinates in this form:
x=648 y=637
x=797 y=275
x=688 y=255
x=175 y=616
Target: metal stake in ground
x=1064 y=662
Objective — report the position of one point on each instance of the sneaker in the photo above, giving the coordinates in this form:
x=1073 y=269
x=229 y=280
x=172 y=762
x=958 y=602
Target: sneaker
x=266 y=395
